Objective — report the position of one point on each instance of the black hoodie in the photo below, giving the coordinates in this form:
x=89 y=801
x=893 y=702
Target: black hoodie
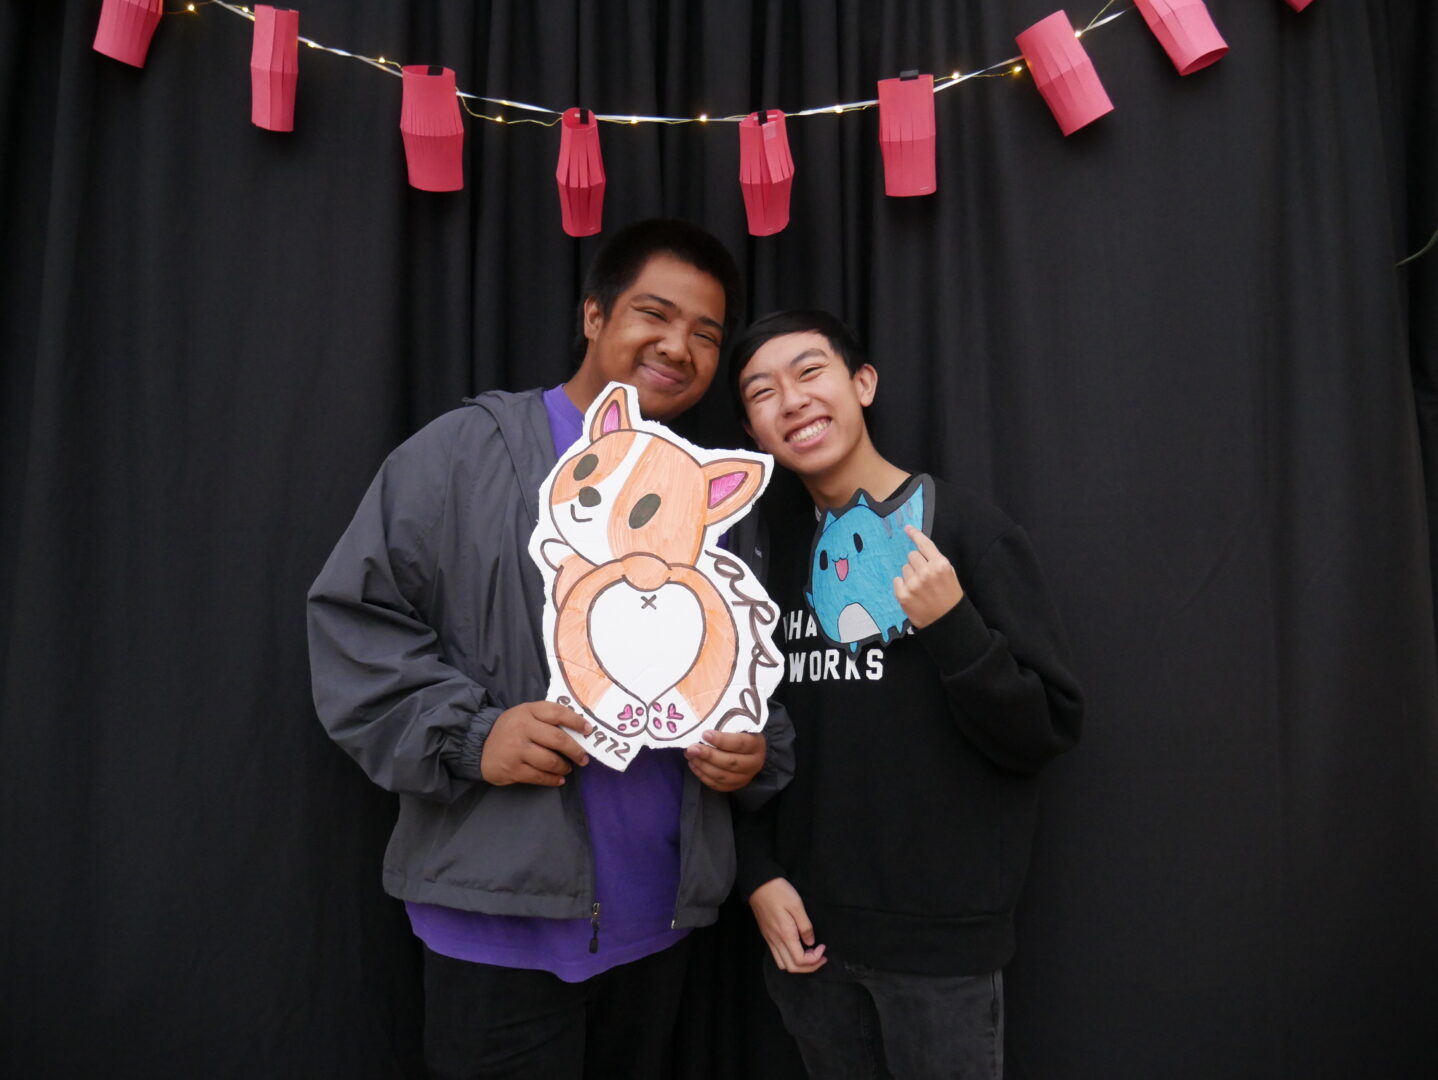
x=908 y=824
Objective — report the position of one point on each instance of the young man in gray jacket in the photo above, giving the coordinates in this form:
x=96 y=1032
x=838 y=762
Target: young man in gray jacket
x=553 y=896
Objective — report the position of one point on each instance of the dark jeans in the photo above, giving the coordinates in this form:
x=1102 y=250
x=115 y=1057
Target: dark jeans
x=853 y=1021
x=482 y=1021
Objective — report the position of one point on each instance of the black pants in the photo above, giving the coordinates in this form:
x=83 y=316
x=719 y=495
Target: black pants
x=482 y=1021
x=854 y=1022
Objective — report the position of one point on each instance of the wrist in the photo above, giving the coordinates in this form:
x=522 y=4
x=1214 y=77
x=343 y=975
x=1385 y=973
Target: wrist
x=956 y=638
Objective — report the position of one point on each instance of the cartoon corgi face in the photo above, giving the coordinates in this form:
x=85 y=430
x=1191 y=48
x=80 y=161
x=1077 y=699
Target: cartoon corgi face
x=629 y=491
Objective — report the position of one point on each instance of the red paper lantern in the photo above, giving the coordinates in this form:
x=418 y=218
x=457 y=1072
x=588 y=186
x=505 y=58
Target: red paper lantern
x=766 y=172
x=1064 y=73
x=906 y=134
x=274 y=68
x=125 y=29
x=580 y=173
x=432 y=128
x=1185 y=30
x=1299 y=5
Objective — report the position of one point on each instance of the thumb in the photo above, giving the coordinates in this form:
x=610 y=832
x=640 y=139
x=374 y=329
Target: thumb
x=804 y=926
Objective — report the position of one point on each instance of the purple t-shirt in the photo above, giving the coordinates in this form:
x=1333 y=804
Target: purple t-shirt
x=634 y=833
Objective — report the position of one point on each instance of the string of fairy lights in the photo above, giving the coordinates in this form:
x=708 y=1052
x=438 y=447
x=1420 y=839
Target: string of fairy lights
x=1009 y=68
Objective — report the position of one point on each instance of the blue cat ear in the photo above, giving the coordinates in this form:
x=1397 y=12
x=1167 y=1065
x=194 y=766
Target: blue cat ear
x=829 y=519
x=913 y=507
x=862 y=501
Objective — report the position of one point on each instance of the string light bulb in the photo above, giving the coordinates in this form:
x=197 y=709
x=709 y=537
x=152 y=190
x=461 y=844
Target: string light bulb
x=391 y=66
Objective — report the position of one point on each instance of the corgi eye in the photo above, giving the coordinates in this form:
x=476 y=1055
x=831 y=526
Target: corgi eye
x=587 y=464
x=823 y=560
x=858 y=543
x=643 y=510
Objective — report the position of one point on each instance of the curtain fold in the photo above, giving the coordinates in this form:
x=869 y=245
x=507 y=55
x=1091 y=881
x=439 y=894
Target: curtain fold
x=1174 y=346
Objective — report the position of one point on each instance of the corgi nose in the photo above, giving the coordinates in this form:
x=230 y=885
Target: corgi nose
x=588 y=496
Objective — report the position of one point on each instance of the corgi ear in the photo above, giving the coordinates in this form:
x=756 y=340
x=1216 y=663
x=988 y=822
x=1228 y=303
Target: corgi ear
x=612 y=414
x=733 y=483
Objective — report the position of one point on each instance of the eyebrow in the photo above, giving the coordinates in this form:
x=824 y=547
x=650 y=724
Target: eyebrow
x=805 y=355
x=670 y=305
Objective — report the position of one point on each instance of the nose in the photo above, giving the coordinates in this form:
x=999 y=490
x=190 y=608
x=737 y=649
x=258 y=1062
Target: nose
x=588 y=496
x=674 y=345
x=793 y=395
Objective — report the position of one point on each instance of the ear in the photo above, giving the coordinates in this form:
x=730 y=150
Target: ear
x=612 y=414
x=913 y=508
x=593 y=318
x=732 y=484
x=866 y=384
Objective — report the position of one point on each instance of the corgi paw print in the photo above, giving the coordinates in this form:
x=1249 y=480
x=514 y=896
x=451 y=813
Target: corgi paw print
x=630 y=719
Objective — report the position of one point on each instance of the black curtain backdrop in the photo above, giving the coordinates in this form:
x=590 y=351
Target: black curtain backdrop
x=1175 y=346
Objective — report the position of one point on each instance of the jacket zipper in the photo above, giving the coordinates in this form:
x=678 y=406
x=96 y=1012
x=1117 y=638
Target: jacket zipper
x=684 y=843
x=594 y=926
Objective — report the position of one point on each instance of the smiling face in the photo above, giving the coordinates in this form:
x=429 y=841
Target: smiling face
x=661 y=336
x=802 y=405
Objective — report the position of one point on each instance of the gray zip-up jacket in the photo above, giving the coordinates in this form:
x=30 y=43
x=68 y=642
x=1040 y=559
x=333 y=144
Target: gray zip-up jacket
x=424 y=625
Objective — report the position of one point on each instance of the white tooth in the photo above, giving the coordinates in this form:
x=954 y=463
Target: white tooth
x=809 y=432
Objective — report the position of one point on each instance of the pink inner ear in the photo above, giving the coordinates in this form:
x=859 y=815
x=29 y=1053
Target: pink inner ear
x=721 y=487
x=611 y=419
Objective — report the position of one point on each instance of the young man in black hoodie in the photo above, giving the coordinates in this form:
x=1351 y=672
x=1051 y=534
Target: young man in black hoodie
x=925 y=695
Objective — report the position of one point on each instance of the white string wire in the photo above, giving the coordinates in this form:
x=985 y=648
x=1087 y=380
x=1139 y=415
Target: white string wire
x=393 y=68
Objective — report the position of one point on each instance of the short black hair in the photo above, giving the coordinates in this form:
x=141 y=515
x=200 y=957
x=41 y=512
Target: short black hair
x=779 y=323
x=625 y=254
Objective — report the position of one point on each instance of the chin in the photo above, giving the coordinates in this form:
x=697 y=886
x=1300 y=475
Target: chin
x=793 y=462
x=805 y=464
x=662 y=407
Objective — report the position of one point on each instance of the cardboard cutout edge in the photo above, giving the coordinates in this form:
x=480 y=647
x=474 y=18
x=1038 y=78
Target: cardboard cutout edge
x=652 y=631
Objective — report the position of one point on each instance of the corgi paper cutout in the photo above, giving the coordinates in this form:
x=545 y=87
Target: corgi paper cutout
x=856 y=555
x=653 y=632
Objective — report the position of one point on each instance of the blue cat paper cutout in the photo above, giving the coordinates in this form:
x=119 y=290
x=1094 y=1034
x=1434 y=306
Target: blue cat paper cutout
x=857 y=554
